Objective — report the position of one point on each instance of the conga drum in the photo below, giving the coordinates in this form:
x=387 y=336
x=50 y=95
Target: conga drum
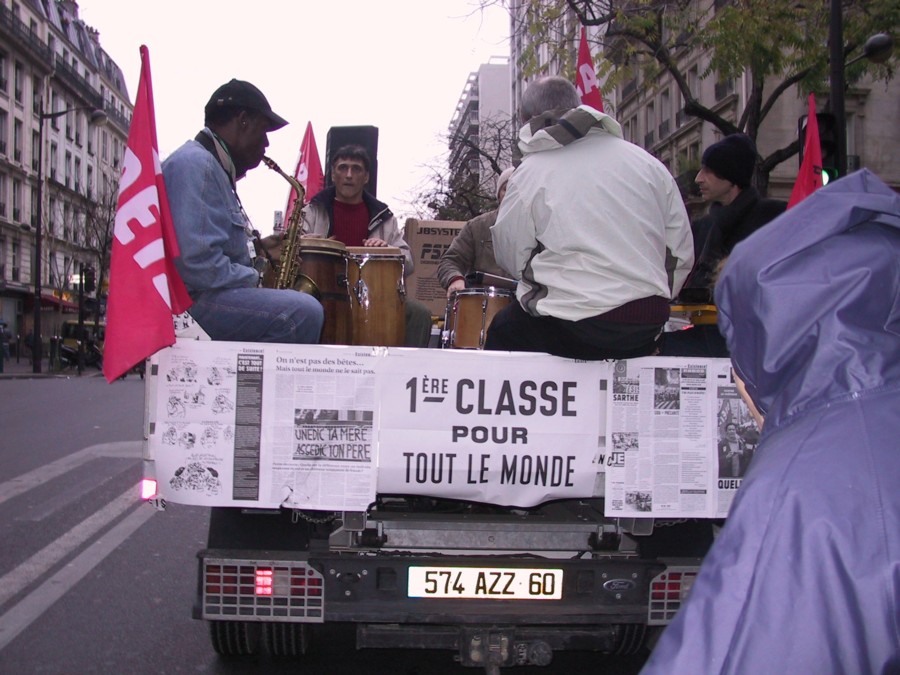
x=323 y=274
x=469 y=314
x=375 y=282
x=683 y=316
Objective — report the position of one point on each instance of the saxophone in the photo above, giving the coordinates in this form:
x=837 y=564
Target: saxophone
x=288 y=267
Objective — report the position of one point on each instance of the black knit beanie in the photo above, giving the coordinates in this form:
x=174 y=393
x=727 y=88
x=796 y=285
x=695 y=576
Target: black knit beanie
x=733 y=158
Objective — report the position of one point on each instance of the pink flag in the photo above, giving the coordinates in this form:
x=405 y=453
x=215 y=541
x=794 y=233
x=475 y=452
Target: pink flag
x=308 y=172
x=586 y=78
x=809 y=179
x=145 y=289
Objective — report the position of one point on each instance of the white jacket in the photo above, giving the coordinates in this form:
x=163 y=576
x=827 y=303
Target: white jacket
x=591 y=224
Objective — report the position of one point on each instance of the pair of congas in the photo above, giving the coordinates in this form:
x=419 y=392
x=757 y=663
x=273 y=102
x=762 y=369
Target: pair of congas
x=362 y=290
x=469 y=314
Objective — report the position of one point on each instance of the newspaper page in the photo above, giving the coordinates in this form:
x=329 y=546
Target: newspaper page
x=250 y=424
x=661 y=460
x=736 y=439
x=504 y=428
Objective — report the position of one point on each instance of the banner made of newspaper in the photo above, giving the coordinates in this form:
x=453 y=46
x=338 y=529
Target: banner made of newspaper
x=251 y=424
x=327 y=427
x=679 y=438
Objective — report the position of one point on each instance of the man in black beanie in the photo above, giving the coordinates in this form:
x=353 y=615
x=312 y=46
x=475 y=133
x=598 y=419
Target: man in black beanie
x=736 y=211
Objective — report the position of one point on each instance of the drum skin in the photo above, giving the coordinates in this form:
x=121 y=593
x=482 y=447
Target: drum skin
x=469 y=314
x=375 y=282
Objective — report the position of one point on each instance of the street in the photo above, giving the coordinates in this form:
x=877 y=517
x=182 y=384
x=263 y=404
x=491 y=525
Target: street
x=93 y=581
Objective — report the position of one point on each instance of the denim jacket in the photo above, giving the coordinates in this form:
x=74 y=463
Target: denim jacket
x=210 y=225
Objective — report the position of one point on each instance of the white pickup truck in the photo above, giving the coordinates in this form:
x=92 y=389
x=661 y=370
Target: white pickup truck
x=436 y=499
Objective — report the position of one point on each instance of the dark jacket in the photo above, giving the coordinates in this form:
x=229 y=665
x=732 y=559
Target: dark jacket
x=727 y=225
x=805 y=575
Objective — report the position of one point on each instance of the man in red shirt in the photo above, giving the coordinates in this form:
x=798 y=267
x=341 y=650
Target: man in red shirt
x=349 y=214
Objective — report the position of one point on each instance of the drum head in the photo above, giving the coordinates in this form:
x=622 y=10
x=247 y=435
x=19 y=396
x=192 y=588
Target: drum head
x=374 y=251
x=320 y=245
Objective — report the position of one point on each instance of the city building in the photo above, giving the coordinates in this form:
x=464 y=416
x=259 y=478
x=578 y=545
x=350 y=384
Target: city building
x=59 y=157
x=651 y=110
x=481 y=119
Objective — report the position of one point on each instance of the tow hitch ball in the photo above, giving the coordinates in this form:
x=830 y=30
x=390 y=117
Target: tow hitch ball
x=495 y=648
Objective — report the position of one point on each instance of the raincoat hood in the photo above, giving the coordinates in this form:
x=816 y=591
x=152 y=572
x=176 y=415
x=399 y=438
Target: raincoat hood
x=809 y=305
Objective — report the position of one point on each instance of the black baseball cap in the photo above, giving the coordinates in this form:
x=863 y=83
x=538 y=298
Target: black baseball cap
x=240 y=94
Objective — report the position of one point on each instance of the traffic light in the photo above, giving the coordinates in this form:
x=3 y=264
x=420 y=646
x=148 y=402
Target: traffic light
x=827 y=143
x=90 y=280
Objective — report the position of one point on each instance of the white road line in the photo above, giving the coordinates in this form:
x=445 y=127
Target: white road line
x=30 y=608
x=37 y=565
x=32 y=479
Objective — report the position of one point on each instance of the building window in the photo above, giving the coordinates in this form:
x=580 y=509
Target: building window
x=4 y=73
x=18 y=81
x=68 y=175
x=35 y=95
x=17 y=200
x=18 y=131
x=3 y=194
x=35 y=145
x=4 y=132
x=54 y=160
x=77 y=176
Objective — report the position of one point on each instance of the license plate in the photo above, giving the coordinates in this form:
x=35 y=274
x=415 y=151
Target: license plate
x=487 y=583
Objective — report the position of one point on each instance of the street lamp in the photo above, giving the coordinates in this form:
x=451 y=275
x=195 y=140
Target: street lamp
x=97 y=117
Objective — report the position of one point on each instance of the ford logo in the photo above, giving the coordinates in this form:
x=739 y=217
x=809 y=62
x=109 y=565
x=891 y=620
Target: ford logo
x=619 y=585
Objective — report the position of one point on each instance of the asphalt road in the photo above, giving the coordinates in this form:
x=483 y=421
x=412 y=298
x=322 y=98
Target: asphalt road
x=93 y=581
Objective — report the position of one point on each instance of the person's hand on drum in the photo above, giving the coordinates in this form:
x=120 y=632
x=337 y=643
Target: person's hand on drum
x=375 y=242
x=458 y=284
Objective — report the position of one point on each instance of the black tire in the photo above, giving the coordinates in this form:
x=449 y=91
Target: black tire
x=287 y=640
x=235 y=638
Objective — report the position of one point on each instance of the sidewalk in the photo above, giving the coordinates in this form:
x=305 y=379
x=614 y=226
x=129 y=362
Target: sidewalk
x=23 y=370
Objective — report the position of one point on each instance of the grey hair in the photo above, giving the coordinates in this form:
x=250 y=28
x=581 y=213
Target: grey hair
x=549 y=93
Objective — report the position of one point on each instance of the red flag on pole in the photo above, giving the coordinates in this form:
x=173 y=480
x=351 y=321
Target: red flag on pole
x=145 y=289
x=809 y=179
x=308 y=172
x=586 y=78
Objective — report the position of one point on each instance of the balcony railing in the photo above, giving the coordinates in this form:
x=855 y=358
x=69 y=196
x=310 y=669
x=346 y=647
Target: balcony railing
x=25 y=37
x=664 y=129
x=723 y=89
x=70 y=76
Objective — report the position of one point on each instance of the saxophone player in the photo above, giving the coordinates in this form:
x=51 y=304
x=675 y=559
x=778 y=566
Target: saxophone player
x=214 y=233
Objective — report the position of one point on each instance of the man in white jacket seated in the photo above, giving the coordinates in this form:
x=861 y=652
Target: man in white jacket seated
x=595 y=230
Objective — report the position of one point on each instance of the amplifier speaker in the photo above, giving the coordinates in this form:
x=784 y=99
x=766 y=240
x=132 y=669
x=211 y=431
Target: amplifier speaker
x=366 y=136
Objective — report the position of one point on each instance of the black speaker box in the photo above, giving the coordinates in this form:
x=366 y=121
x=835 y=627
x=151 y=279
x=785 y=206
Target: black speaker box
x=366 y=136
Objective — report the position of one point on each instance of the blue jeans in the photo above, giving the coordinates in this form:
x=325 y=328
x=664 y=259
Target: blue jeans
x=258 y=315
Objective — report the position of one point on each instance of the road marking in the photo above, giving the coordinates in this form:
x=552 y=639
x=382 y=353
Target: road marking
x=37 y=565
x=32 y=479
x=32 y=606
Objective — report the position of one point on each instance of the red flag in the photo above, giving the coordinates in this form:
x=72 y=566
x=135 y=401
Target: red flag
x=145 y=289
x=586 y=78
x=308 y=172
x=810 y=177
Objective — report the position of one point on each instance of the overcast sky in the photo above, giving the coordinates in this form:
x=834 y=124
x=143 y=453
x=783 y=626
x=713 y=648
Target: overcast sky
x=399 y=65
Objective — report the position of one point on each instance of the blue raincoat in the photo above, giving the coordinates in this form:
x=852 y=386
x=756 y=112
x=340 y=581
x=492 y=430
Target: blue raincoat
x=805 y=575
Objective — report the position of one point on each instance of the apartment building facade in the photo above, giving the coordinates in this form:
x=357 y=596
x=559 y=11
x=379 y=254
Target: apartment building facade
x=54 y=76
x=484 y=109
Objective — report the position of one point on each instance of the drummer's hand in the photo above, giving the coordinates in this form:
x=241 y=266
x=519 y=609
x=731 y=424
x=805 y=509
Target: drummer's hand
x=374 y=242
x=456 y=285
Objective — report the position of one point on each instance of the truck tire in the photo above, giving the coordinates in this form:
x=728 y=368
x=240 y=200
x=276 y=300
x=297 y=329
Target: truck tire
x=287 y=639
x=235 y=638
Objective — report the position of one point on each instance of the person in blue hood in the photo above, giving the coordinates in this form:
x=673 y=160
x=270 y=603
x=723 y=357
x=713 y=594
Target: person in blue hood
x=805 y=575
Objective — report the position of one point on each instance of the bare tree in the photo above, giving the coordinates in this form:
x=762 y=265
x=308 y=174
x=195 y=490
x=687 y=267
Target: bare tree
x=467 y=189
